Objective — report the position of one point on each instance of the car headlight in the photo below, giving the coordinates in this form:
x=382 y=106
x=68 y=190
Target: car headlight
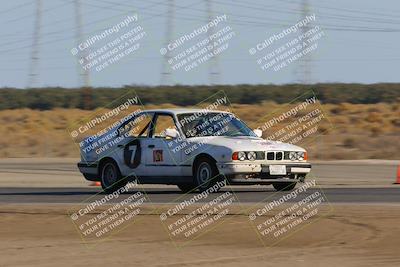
x=300 y=155
x=242 y=155
x=293 y=155
x=239 y=155
x=297 y=155
x=251 y=155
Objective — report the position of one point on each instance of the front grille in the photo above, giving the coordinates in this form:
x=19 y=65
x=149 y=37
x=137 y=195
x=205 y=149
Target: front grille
x=275 y=155
x=260 y=155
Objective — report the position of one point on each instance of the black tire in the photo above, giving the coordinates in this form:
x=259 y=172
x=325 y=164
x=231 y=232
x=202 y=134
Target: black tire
x=285 y=186
x=186 y=188
x=111 y=178
x=205 y=174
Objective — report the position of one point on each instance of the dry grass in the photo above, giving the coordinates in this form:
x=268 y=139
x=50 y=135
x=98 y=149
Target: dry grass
x=355 y=132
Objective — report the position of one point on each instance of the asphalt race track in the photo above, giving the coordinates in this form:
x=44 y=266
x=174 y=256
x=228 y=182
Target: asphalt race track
x=171 y=195
x=29 y=181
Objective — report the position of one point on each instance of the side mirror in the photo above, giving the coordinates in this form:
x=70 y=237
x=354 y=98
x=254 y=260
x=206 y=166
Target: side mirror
x=258 y=132
x=172 y=133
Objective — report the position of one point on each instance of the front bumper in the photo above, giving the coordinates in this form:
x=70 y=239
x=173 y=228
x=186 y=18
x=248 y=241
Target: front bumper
x=260 y=172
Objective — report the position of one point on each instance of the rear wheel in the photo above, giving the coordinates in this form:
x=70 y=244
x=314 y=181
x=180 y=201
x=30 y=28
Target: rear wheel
x=285 y=186
x=111 y=178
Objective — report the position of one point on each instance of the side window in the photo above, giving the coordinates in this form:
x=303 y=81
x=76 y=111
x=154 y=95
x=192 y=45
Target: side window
x=162 y=123
x=138 y=126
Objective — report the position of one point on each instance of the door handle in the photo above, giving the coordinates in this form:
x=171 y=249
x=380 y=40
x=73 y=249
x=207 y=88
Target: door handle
x=120 y=146
x=150 y=146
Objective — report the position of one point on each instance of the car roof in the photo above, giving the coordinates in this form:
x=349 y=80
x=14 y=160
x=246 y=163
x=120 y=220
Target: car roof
x=176 y=111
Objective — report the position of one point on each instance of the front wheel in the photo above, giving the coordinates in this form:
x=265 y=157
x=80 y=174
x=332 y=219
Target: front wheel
x=285 y=186
x=205 y=174
x=111 y=178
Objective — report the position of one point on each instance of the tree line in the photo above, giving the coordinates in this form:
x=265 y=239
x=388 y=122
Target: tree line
x=56 y=97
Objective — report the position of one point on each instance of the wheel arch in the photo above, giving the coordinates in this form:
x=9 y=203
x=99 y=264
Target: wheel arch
x=202 y=156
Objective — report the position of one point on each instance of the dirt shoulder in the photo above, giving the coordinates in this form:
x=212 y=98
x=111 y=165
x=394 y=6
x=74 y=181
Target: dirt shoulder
x=349 y=235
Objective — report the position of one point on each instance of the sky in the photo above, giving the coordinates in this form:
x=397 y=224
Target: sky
x=359 y=43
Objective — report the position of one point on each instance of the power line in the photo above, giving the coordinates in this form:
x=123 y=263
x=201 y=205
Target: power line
x=61 y=31
x=349 y=10
x=252 y=21
x=30 y=15
x=90 y=23
x=17 y=7
x=258 y=24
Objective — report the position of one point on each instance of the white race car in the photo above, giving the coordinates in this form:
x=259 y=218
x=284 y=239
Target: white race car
x=190 y=148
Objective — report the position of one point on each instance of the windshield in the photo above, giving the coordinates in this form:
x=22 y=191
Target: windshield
x=213 y=124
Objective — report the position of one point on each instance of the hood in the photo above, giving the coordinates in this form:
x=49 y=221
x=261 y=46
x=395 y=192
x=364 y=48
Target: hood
x=247 y=143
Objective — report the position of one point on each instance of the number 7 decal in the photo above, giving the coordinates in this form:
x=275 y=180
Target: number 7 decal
x=132 y=153
x=133 y=149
